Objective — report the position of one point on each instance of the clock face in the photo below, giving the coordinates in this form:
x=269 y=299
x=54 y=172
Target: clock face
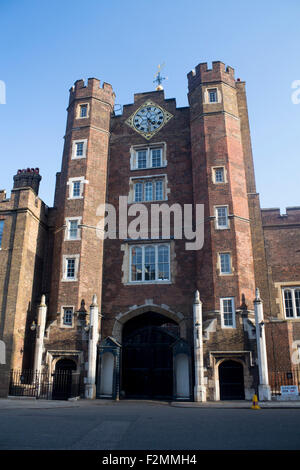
x=148 y=119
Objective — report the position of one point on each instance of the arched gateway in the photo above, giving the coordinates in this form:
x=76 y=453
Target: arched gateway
x=152 y=361
x=147 y=356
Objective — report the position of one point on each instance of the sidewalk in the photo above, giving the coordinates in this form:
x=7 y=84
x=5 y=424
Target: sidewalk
x=32 y=403
x=238 y=404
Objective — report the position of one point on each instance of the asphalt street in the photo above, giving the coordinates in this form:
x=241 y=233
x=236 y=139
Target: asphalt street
x=140 y=425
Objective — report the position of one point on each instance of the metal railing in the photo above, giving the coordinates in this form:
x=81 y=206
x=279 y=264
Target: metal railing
x=279 y=378
x=60 y=385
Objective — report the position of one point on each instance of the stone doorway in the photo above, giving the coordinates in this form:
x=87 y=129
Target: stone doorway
x=231 y=379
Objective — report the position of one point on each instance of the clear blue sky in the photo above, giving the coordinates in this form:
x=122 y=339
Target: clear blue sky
x=47 y=45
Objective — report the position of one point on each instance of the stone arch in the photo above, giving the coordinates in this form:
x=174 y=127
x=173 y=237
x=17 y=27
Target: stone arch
x=134 y=311
x=67 y=357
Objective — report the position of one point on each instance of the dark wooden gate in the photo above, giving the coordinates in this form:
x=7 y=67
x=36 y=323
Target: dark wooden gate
x=147 y=370
x=231 y=379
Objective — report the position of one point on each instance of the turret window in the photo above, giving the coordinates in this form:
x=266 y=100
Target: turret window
x=218 y=175
x=79 y=149
x=70 y=267
x=221 y=217
x=72 y=228
x=83 y=110
x=76 y=186
x=225 y=263
x=213 y=95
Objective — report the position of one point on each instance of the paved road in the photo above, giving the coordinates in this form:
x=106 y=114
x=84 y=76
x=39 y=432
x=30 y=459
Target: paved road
x=138 y=425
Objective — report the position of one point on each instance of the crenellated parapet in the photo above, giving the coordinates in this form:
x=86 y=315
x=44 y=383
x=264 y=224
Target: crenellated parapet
x=81 y=90
x=218 y=73
x=273 y=216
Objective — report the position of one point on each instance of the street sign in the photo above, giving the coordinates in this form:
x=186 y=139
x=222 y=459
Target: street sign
x=289 y=390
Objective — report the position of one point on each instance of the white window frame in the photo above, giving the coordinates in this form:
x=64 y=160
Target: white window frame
x=79 y=110
x=214 y=171
x=225 y=273
x=222 y=312
x=221 y=227
x=156 y=280
x=65 y=266
x=67 y=231
x=292 y=289
x=148 y=148
x=70 y=184
x=63 y=308
x=74 y=149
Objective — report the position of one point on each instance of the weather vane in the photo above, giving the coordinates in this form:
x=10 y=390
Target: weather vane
x=159 y=78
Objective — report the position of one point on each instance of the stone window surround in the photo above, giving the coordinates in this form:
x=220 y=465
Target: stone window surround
x=216 y=218
x=279 y=299
x=143 y=246
x=70 y=184
x=79 y=108
x=133 y=155
x=206 y=94
x=213 y=174
x=138 y=179
x=74 y=147
x=126 y=264
x=219 y=264
x=67 y=220
x=227 y=327
x=281 y=286
x=62 y=309
x=64 y=267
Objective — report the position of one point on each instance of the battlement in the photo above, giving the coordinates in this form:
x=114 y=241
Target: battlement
x=218 y=72
x=81 y=90
x=273 y=216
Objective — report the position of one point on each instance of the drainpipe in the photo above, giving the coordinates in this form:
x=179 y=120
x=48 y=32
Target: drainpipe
x=200 y=388
x=90 y=387
x=264 y=391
